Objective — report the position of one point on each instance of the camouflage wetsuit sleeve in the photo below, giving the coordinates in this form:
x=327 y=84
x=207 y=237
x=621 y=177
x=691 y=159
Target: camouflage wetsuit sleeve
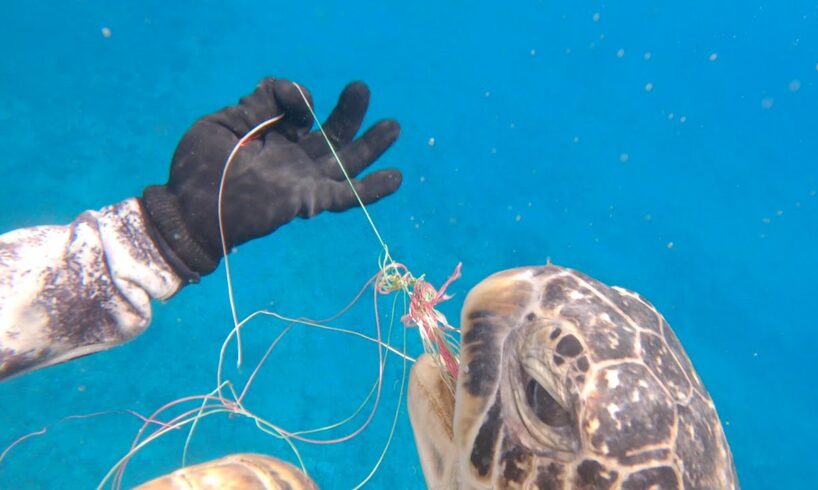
x=69 y=291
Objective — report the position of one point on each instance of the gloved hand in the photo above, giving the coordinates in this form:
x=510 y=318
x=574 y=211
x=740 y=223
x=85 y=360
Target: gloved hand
x=284 y=173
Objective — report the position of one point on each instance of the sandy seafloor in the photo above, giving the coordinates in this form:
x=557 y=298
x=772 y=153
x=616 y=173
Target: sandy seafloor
x=667 y=147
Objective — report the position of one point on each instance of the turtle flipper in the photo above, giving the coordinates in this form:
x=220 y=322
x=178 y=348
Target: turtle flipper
x=431 y=411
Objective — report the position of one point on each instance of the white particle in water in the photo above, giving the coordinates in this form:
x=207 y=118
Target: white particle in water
x=533 y=52
x=422 y=179
x=670 y=116
x=767 y=102
x=432 y=141
x=620 y=53
x=683 y=119
x=669 y=245
x=780 y=212
x=713 y=56
x=648 y=217
x=106 y=32
x=647 y=56
x=518 y=218
x=596 y=17
x=649 y=87
x=794 y=85
x=624 y=157
x=766 y=221
x=488 y=93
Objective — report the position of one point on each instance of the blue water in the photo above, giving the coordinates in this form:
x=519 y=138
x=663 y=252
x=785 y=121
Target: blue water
x=668 y=147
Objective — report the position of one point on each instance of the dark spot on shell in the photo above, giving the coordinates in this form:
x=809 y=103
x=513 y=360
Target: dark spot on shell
x=485 y=443
x=556 y=333
x=559 y=361
x=516 y=463
x=569 y=346
x=544 y=406
x=530 y=317
x=480 y=375
x=581 y=379
x=556 y=291
x=550 y=477
x=591 y=475
x=661 y=478
x=582 y=364
x=478 y=314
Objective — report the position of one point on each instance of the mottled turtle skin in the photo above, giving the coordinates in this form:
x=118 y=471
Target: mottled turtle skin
x=567 y=383
x=235 y=472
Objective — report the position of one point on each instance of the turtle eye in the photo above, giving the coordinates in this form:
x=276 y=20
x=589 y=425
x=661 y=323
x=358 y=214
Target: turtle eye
x=545 y=406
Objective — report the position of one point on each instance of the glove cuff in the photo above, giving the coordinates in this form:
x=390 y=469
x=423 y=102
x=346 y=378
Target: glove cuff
x=173 y=237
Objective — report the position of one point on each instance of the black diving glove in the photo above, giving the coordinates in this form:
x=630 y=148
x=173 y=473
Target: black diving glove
x=284 y=173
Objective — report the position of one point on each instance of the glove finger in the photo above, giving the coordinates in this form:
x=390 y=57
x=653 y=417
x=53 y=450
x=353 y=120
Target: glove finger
x=250 y=111
x=298 y=119
x=362 y=152
x=342 y=124
x=338 y=196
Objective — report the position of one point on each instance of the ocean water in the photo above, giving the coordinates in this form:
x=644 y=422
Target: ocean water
x=667 y=147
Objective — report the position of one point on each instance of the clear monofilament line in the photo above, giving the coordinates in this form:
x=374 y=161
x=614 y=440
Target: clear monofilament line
x=244 y=139
x=344 y=171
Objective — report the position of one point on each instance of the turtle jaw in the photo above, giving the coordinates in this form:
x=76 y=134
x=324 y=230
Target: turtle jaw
x=431 y=413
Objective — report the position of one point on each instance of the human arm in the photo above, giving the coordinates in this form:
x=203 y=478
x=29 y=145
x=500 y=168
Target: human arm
x=68 y=291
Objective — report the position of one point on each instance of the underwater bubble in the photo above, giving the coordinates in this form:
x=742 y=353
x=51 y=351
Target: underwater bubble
x=596 y=17
x=794 y=85
x=713 y=56
x=106 y=32
x=767 y=102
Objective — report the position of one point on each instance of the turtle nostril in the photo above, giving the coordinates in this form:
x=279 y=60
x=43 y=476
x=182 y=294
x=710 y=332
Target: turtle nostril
x=545 y=406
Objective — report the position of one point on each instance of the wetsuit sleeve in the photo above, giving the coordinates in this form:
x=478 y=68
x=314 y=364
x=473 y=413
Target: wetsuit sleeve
x=69 y=291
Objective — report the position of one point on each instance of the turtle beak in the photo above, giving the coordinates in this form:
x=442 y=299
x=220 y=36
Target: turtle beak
x=431 y=411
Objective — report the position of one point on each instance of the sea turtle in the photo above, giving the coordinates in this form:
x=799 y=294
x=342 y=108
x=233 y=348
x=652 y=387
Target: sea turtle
x=235 y=472
x=565 y=383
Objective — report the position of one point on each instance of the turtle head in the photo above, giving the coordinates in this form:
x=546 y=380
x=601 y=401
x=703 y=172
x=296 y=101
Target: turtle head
x=566 y=383
x=514 y=405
